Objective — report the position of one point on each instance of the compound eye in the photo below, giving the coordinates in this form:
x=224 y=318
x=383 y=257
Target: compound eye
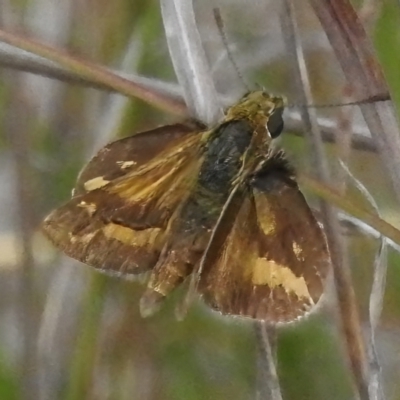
x=275 y=123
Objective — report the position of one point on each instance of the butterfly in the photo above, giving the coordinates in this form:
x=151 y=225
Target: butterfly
x=219 y=207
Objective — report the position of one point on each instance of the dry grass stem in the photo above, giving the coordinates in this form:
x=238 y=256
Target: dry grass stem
x=344 y=288
x=94 y=72
x=375 y=384
x=362 y=70
x=189 y=60
x=268 y=386
x=20 y=143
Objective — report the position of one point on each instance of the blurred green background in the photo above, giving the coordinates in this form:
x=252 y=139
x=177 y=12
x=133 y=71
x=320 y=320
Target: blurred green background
x=67 y=332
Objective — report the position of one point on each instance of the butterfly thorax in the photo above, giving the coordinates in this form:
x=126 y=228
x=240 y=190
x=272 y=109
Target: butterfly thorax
x=256 y=108
x=263 y=114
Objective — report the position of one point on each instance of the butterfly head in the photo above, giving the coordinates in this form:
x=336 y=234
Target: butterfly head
x=261 y=109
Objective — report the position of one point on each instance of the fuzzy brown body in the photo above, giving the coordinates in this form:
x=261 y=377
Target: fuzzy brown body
x=219 y=206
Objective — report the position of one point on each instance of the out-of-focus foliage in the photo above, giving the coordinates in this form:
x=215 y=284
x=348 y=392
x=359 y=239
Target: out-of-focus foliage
x=88 y=339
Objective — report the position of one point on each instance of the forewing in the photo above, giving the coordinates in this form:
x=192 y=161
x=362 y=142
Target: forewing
x=128 y=154
x=274 y=261
x=119 y=225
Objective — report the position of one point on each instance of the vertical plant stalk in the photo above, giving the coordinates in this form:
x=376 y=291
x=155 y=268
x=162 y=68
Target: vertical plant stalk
x=17 y=129
x=355 y=54
x=84 y=357
x=375 y=308
x=376 y=391
x=344 y=288
x=267 y=377
x=343 y=139
x=51 y=331
x=189 y=60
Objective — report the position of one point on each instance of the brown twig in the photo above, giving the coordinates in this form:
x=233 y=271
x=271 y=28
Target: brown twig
x=39 y=66
x=94 y=73
x=43 y=67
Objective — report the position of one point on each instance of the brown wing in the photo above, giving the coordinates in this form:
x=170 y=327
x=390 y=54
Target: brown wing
x=122 y=156
x=274 y=261
x=117 y=222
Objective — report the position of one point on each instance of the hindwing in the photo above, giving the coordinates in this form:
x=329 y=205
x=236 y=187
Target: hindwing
x=273 y=260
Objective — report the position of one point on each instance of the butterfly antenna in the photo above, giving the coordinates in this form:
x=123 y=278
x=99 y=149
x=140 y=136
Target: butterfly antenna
x=373 y=99
x=220 y=25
